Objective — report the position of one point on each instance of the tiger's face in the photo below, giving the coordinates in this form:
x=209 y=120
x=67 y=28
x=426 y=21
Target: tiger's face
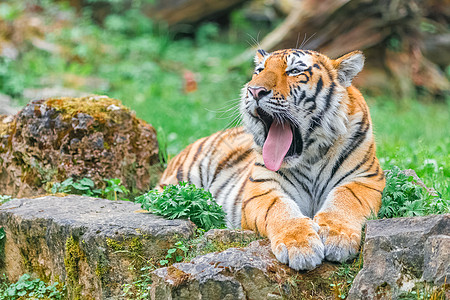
x=294 y=103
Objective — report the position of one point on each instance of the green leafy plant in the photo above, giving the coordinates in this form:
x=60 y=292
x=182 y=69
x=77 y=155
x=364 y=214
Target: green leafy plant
x=343 y=277
x=86 y=187
x=4 y=198
x=177 y=253
x=185 y=201
x=28 y=288
x=2 y=233
x=140 y=288
x=402 y=198
x=114 y=188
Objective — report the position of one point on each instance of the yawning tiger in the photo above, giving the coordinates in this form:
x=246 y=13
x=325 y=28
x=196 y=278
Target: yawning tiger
x=302 y=171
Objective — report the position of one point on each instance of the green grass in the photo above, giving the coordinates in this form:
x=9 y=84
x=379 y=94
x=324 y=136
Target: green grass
x=414 y=135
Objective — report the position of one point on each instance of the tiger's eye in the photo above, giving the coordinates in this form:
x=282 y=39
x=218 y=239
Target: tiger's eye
x=293 y=72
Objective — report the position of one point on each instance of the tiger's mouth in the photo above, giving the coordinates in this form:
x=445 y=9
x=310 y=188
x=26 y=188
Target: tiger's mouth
x=277 y=138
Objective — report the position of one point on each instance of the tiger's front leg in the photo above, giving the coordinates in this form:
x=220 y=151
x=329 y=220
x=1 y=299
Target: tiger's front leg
x=343 y=215
x=294 y=237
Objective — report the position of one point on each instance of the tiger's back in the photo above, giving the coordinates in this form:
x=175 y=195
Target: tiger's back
x=303 y=172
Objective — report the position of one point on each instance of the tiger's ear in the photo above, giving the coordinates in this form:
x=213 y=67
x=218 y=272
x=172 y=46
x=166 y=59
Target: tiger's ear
x=348 y=66
x=260 y=55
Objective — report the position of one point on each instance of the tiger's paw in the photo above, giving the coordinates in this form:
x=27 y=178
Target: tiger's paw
x=298 y=244
x=340 y=240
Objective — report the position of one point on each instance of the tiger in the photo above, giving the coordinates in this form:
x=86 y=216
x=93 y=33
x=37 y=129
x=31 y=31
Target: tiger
x=302 y=170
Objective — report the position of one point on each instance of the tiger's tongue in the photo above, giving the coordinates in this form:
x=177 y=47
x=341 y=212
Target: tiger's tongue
x=276 y=145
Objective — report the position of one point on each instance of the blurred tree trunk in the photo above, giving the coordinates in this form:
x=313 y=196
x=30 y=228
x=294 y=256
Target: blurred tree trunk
x=406 y=42
x=175 y=12
x=171 y=12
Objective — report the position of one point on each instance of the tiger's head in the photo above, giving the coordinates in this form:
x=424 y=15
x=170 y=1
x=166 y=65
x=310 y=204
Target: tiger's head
x=295 y=103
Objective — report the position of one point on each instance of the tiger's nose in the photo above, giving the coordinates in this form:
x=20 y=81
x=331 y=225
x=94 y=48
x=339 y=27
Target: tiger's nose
x=258 y=92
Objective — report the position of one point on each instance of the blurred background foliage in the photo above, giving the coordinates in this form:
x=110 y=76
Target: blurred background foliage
x=180 y=64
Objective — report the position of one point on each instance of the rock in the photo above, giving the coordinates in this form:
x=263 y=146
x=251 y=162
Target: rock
x=252 y=272
x=402 y=255
x=437 y=259
x=226 y=236
x=95 y=137
x=89 y=244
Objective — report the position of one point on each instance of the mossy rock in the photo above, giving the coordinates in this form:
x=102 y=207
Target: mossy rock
x=96 y=137
x=94 y=246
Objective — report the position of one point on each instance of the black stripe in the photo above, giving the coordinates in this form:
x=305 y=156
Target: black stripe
x=194 y=160
x=227 y=181
x=316 y=120
x=356 y=140
x=262 y=52
x=376 y=174
x=227 y=161
x=256 y=225
x=363 y=161
x=297 y=172
x=180 y=170
x=313 y=99
x=302 y=185
x=351 y=191
x=235 y=200
x=244 y=204
x=269 y=208
x=309 y=142
x=261 y=180
x=369 y=187
x=330 y=77
x=299 y=100
x=213 y=148
x=180 y=173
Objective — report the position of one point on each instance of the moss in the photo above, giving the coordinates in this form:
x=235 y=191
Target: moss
x=101 y=269
x=114 y=244
x=6 y=128
x=74 y=254
x=135 y=245
x=95 y=106
x=131 y=247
